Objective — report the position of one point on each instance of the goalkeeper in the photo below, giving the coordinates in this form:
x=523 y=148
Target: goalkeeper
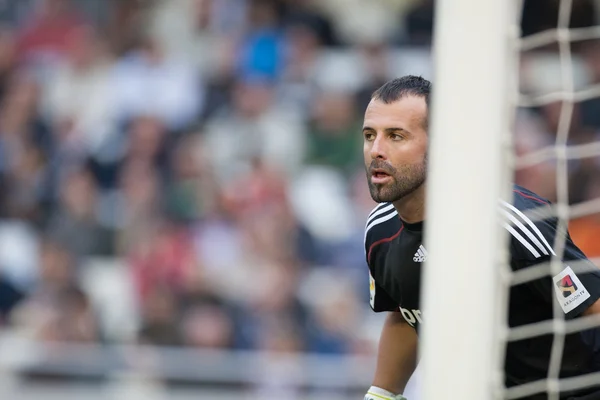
x=395 y=151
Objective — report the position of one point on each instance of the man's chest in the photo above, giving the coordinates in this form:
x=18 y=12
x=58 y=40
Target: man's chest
x=398 y=270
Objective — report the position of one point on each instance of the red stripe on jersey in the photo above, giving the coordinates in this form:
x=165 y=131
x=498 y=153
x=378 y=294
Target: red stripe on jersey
x=529 y=197
x=389 y=239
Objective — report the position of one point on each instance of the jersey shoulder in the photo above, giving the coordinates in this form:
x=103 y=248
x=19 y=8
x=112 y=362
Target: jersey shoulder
x=382 y=223
x=531 y=225
x=524 y=199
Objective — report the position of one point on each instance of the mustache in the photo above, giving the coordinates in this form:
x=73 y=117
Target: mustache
x=379 y=164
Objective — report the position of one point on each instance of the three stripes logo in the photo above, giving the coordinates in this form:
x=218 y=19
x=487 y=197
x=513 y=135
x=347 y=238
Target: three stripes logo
x=420 y=255
x=567 y=286
x=525 y=231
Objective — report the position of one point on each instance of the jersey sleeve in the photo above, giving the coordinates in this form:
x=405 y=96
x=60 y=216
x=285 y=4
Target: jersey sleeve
x=378 y=298
x=576 y=287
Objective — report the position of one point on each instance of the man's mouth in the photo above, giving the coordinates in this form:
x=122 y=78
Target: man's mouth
x=379 y=176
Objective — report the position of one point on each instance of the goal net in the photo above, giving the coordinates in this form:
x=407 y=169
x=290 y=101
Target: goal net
x=508 y=107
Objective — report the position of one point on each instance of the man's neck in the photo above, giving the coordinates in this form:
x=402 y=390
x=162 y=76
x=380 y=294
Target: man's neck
x=411 y=208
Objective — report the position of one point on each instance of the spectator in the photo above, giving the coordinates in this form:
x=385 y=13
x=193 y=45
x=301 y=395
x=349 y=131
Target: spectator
x=8 y=58
x=147 y=82
x=79 y=92
x=57 y=309
x=334 y=136
x=25 y=143
x=254 y=126
x=419 y=23
x=208 y=324
x=191 y=189
x=44 y=38
x=261 y=49
x=590 y=109
x=75 y=225
x=161 y=259
x=160 y=319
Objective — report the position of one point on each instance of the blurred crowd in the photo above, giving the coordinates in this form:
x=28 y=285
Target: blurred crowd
x=213 y=147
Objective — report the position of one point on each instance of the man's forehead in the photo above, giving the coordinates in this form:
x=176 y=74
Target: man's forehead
x=406 y=110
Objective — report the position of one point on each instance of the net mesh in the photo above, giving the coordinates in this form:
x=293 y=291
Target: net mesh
x=565 y=46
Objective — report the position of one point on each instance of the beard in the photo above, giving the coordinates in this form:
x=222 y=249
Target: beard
x=405 y=180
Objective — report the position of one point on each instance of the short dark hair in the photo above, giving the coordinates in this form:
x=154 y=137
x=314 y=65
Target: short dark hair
x=409 y=85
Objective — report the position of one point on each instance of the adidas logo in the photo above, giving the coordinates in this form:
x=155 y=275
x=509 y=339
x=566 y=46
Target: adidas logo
x=420 y=255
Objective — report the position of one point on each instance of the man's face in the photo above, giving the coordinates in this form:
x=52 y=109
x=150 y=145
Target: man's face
x=395 y=147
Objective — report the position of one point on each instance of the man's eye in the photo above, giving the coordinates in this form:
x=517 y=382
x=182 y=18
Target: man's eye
x=396 y=137
x=369 y=136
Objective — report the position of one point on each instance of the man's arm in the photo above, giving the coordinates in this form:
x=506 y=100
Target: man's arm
x=397 y=354
x=576 y=287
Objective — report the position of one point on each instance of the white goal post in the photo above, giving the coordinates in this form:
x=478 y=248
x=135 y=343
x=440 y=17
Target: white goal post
x=475 y=73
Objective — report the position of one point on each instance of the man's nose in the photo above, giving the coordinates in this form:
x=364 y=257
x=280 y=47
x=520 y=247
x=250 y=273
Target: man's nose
x=378 y=149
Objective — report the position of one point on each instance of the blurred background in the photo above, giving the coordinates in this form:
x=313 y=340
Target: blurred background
x=183 y=198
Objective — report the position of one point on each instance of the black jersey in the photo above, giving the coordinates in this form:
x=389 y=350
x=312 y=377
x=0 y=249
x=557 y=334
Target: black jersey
x=396 y=255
